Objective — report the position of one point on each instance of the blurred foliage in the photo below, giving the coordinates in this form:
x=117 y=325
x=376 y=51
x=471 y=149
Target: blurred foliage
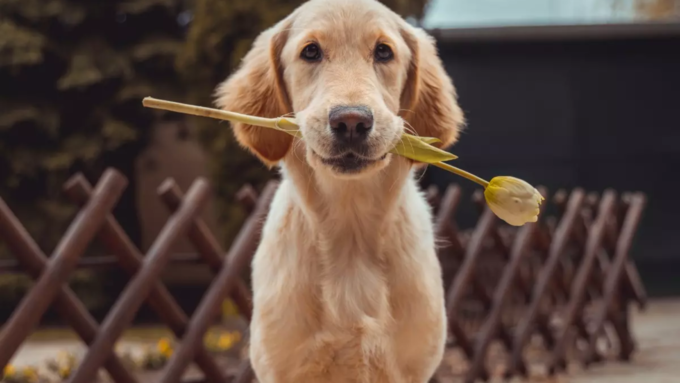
x=221 y=33
x=73 y=74
x=84 y=283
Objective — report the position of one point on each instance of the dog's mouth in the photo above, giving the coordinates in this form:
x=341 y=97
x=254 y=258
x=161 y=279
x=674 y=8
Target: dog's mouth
x=350 y=163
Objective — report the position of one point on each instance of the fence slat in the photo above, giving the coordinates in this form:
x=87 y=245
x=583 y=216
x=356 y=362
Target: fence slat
x=130 y=259
x=614 y=277
x=67 y=304
x=139 y=287
x=560 y=240
x=101 y=262
x=80 y=233
x=581 y=281
x=245 y=374
x=464 y=278
x=444 y=218
x=208 y=248
x=238 y=258
x=520 y=249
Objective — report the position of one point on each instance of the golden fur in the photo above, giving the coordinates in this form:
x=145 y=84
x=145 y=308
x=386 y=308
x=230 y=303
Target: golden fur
x=347 y=285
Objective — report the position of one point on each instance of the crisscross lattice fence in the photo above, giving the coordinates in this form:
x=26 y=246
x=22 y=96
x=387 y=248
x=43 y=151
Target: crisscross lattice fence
x=567 y=279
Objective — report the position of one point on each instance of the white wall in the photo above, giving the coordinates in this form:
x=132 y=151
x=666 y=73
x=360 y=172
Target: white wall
x=478 y=13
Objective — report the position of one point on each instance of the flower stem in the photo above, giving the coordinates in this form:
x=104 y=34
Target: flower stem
x=281 y=124
x=462 y=173
x=151 y=102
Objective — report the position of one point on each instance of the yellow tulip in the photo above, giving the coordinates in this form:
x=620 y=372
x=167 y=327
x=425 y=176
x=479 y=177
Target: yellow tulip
x=513 y=200
x=420 y=149
x=9 y=370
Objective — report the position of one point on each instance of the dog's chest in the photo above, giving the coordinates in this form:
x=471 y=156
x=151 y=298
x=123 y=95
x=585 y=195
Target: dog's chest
x=331 y=312
x=352 y=302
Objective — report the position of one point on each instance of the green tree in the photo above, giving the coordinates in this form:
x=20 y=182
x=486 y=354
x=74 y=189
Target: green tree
x=221 y=33
x=73 y=73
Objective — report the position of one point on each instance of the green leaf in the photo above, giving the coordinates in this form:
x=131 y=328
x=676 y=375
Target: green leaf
x=430 y=140
x=60 y=160
x=141 y=6
x=154 y=47
x=45 y=119
x=67 y=12
x=92 y=62
x=74 y=148
x=117 y=133
x=23 y=162
x=19 y=46
x=56 y=209
x=419 y=150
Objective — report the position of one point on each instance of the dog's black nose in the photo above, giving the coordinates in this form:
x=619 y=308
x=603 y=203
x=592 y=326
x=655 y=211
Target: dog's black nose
x=350 y=124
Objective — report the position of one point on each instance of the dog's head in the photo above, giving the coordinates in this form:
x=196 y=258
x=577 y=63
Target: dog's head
x=355 y=75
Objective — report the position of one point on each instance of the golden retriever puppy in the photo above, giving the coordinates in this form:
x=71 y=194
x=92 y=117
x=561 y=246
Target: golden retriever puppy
x=347 y=285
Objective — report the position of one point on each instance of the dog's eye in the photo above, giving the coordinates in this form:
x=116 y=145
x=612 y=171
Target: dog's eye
x=383 y=53
x=311 y=53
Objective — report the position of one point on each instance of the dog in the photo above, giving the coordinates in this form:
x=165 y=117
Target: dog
x=347 y=286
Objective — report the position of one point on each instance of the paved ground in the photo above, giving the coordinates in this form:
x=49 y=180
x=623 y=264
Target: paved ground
x=657 y=359
x=48 y=344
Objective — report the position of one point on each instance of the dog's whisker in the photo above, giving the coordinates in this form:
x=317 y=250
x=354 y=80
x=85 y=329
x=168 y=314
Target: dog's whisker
x=422 y=174
x=409 y=128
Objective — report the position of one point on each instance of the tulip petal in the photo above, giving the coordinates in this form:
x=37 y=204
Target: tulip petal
x=513 y=200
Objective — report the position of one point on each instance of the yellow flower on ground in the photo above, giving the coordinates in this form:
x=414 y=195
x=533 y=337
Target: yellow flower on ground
x=64 y=372
x=164 y=347
x=9 y=371
x=227 y=341
x=229 y=309
x=513 y=200
x=63 y=364
x=30 y=374
x=210 y=339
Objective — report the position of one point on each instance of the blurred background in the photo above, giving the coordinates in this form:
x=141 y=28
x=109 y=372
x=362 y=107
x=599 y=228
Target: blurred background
x=562 y=93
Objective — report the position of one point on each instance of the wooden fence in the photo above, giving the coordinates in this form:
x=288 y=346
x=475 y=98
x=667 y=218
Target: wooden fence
x=564 y=273
x=567 y=278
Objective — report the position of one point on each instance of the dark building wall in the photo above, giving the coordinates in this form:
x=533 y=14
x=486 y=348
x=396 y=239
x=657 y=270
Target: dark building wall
x=593 y=113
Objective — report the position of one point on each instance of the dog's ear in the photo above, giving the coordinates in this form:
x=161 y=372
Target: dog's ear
x=429 y=101
x=257 y=88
